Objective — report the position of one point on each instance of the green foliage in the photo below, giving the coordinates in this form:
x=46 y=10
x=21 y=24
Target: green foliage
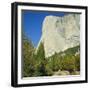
x=72 y=51
x=40 y=70
x=28 y=62
x=40 y=52
x=68 y=63
x=65 y=61
x=38 y=65
x=33 y=65
x=48 y=69
x=41 y=62
x=77 y=62
x=54 y=62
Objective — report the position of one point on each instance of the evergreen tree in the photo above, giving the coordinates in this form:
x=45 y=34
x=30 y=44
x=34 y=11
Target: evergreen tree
x=41 y=61
x=27 y=56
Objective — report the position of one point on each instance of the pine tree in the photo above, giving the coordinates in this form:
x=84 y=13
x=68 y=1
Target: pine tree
x=27 y=56
x=41 y=61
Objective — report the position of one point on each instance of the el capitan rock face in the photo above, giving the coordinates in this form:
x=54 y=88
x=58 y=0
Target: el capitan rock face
x=60 y=33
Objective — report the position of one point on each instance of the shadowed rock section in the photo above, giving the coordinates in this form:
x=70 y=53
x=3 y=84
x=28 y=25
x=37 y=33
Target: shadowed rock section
x=60 y=33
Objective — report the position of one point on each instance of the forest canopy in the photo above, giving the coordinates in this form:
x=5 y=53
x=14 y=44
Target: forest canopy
x=35 y=64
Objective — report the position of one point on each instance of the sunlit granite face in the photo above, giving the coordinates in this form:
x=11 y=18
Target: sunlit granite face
x=60 y=33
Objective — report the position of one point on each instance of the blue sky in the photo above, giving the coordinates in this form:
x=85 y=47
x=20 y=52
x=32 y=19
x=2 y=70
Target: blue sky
x=32 y=23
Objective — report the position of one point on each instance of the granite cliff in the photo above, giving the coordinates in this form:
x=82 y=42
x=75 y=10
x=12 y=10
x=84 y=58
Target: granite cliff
x=60 y=33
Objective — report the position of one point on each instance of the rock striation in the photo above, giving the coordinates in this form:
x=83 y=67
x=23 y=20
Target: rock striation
x=60 y=33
